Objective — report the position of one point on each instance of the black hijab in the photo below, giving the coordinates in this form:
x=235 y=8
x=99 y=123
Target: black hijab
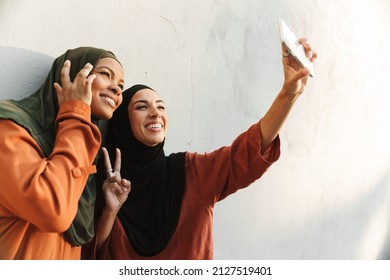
x=37 y=113
x=152 y=210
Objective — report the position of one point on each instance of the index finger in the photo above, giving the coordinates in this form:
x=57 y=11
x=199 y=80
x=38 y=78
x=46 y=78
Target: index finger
x=303 y=41
x=84 y=72
x=107 y=162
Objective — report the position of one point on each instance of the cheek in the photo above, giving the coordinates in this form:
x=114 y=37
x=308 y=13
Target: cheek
x=97 y=84
x=134 y=124
x=136 y=118
x=95 y=104
x=95 y=89
x=120 y=99
x=95 y=96
x=166 y=122
x=137 y=131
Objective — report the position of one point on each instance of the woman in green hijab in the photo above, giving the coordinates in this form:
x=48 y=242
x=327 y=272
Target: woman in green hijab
x=49 y=143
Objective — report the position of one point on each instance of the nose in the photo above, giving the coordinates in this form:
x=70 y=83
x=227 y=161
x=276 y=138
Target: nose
x=155 y=112
x=114 y=88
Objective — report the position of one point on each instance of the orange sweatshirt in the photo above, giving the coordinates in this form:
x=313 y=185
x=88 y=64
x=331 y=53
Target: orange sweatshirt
x=38 y=195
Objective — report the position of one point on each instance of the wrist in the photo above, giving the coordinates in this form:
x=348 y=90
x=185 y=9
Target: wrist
x=108 y=212
x=286 y=96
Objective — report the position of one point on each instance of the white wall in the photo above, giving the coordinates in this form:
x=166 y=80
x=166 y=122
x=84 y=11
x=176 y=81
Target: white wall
x=218 y=66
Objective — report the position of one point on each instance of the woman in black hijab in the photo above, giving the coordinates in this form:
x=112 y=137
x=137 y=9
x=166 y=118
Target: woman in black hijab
x=156 y=180
x=168 y=213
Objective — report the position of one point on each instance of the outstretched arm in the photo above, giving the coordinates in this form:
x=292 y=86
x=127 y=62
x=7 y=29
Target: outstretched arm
x=295 y=80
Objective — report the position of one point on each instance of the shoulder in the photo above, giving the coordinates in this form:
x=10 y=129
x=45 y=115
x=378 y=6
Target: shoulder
x=8 y=126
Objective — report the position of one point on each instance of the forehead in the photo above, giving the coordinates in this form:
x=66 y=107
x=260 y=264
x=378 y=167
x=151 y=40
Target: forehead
x=147 y=95
x=111 y=63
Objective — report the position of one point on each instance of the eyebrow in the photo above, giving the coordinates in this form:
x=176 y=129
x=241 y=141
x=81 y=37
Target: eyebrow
x=111 y=71
x=145 y=101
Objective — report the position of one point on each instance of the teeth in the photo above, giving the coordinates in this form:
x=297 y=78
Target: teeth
x=154 y=126
x=109 y=100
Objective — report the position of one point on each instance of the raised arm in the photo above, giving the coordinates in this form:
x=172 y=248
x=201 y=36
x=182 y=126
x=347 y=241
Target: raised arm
x=295 y=80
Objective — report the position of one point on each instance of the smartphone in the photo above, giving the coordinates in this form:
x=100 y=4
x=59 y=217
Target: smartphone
x=290 y=41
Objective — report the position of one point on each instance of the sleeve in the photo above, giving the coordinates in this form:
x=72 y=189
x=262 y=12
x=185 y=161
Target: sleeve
x=228 y=169
x=46 y=191
x=89 y=251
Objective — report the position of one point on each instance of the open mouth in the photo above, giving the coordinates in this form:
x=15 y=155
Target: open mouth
x=110 y=101
x=154 y=126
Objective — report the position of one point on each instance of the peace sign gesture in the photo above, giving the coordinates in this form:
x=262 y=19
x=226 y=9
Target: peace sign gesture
x=115 y=189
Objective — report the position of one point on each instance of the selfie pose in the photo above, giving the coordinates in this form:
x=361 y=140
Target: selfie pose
x=48 y=143
x=167 y=213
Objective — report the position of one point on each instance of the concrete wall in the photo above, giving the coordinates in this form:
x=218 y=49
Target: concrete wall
x=217 y=64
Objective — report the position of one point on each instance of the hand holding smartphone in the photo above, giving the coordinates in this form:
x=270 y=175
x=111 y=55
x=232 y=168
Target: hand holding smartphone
x=290 y=41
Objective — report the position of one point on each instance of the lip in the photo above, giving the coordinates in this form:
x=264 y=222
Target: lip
x=112 y=102
x=154 y=126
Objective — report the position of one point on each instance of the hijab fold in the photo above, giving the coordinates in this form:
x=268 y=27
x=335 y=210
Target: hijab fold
x=37 y=113
x=151 y=213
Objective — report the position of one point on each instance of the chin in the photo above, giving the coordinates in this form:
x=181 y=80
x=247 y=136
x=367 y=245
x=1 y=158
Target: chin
x=103 y=116
x=152 y=143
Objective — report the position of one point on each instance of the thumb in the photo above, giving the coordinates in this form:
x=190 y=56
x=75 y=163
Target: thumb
x=302 y=73
x=126 y=184
x=58 y=89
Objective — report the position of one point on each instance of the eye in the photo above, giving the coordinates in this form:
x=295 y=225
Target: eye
x=105 y=73
x=161 y=108
x=140 y=107
x=121 y=86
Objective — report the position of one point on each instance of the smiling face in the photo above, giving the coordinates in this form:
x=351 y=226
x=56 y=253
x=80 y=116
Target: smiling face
x=106 y=88
x=147 y=116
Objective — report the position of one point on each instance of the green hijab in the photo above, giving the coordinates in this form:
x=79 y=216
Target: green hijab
x=37 y=114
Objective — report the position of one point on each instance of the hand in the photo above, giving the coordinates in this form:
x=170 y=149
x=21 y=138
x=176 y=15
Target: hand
x=115 y=189
x=79 y=89
x=295 y=77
